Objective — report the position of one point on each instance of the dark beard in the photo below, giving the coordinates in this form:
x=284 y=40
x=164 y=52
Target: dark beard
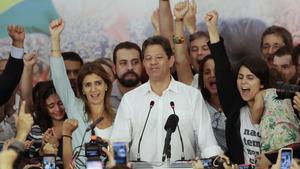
x=129 y=82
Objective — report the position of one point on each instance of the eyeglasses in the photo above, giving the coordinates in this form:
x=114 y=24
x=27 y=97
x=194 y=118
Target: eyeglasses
x=216 y=119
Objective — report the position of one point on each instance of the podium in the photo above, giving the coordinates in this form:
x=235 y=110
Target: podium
x=156 y=165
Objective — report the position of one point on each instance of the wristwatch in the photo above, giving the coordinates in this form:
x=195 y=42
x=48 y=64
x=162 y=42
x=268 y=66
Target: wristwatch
x=17 y=146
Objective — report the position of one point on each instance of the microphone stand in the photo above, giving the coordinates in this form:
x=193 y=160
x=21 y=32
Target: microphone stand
x=180 y=136
x=169 y=155
x=139 y=145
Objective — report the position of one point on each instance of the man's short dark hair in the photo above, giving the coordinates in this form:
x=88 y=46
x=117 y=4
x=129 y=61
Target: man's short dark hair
x=126 y=45
x=158 y=40
x=279 y=31
x=283 y=51
x=72 y=56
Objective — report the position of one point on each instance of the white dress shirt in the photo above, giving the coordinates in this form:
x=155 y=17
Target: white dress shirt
x=194 y=122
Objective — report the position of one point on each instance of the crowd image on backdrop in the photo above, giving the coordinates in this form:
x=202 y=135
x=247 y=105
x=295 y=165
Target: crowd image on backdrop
x=176 y=97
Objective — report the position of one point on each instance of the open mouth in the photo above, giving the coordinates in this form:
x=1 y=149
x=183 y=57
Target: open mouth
x=96 y=95
x=245 y=91
x=213 y=83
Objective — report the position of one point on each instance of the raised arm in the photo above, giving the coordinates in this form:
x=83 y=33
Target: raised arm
x=26 y=80
x=58 y=70
x=165 y=20
x=211 y=19
x=189 y=19
x=183 y=68
x=226 y=83
x=56 y=27
x=155 y=21
x=12 y=73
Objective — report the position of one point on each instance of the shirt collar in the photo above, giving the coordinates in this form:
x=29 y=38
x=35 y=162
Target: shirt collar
x=172 y=86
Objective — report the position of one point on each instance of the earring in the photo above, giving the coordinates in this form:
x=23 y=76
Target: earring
x=105 y=89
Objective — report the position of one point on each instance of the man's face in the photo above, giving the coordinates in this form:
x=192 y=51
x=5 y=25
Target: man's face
x=271 y=43
x=2 y=65
x=285 y=67
x=72 y=68
x=198 y=50
x=128 y=67
x=156 y=63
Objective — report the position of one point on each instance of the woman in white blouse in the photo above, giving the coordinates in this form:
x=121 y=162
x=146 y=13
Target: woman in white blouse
x=94 y=88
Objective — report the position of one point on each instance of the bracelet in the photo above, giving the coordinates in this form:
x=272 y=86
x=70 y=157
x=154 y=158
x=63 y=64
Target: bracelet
x=55 y=50
x=178 y=19
x=70 y=137
x=178 y=40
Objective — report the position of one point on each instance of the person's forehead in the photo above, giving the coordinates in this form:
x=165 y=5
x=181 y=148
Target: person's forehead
x=273 y=39
x=127 y=54
x=92 y=77
x=285 y=59
x=245 y=70
x=154 y=49
x=199 y=41
x=72 y=63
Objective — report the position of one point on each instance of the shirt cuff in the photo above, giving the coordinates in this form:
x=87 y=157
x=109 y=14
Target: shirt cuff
x=211 y=151
x=17 y=53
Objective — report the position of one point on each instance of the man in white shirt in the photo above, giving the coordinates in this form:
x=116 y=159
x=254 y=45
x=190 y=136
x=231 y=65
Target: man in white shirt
x=194 y=120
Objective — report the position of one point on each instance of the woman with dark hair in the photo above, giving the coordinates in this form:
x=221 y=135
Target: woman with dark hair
x=49 y=115
x=207 y=84
x=251 y=111
x=94 y=87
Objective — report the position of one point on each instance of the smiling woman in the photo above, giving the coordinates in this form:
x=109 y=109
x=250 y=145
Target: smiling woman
x=94 y=87
x=49 y=116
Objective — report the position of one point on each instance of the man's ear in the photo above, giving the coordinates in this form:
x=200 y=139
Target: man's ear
x=171 y=61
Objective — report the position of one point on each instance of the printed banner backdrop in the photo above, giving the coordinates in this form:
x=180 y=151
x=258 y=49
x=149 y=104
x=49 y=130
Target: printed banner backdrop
x=94 y=27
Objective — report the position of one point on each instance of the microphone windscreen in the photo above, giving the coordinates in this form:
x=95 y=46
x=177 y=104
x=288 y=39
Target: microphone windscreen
x=151 y=103
x=172 y=104
x=172 y=122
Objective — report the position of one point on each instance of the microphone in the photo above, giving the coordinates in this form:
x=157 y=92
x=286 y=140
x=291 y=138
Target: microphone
x=139 y=145
x=93 y=125
x=170 y=127
x=180 y=136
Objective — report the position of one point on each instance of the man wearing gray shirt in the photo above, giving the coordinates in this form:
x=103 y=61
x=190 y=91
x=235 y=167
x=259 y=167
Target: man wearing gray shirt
x=128 y=70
